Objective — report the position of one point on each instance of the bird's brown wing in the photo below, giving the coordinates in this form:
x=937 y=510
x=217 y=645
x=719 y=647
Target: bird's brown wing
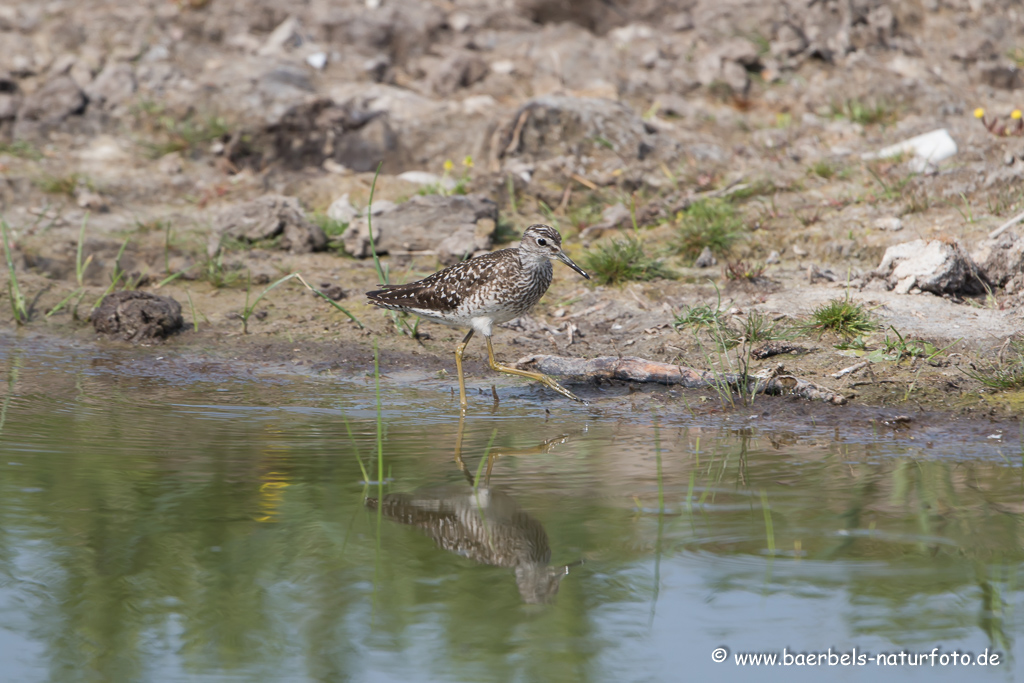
x=444 y=290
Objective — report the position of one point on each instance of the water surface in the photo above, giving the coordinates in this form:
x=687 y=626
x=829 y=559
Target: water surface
x=165 y=518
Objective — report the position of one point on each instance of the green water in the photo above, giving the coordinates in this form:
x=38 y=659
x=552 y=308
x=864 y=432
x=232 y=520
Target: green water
x=171 y=519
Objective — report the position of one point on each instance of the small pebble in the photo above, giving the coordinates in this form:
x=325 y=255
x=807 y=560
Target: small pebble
x=706 y=259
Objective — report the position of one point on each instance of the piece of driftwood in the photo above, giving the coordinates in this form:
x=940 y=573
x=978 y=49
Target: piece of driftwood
x=853 y=368
x=631 y=369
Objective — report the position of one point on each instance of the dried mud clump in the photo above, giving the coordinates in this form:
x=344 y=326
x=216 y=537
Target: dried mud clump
x=138 y=316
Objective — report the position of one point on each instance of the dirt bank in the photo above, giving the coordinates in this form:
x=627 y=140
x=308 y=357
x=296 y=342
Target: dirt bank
x=210 y=148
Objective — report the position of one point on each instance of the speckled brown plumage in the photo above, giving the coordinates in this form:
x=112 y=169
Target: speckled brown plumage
x=487 y=526
x=483 y=292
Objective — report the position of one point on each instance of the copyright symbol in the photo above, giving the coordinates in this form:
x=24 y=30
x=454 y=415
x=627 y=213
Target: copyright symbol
x=719 y=654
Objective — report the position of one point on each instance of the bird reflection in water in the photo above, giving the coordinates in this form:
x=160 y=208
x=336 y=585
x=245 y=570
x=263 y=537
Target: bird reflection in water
x=484 y=524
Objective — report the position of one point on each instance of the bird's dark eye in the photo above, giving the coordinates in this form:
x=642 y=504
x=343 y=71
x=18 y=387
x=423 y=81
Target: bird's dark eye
x=542 y=242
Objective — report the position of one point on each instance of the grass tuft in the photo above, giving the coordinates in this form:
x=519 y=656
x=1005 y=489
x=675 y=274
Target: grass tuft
x=754 y=329
x=898 y=347
x=823 y=169
x=758 y=328
x=331 y=227
x=80 y=268
x=706 y=318
x=843 y=317
x=742 y=270
x=62 y=184
x=21 y=149
x=710 y=223
x=1006 y=373
x=758 y=188
x=624 y=260
x=865 y=113
x=176 y=133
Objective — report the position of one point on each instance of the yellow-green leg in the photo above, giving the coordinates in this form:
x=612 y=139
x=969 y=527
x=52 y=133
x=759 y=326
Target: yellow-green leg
x=540 y=377
x=458 y=448
x=459 y=350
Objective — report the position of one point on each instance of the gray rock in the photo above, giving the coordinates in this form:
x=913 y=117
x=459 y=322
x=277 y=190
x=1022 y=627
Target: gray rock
x=302 y=237
x=681 y=21
x=333 y=291
x=266 y=218
x=450 y=226
x=319 y=129
x=1000 y=75
x=789 y=41
x=735 y=76
x=170 y=164
x=460 y=70
x=937 y=266
x=10 y=97
x=728 y=63
x=558 y=125
x=594 y=15
x=49 y=106
x=1000 y=259
x=113 y=85
x=137 y=316
x=614 y=216
x=91 y=201
x=975 y=49
x=706 y=259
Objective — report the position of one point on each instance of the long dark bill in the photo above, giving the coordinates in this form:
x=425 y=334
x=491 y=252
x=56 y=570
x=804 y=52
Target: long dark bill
x=568 y=261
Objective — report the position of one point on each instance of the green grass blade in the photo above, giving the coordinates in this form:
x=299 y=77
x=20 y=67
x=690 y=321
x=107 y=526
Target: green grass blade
x=380 y=422
x=657 y=455
x=107 y=292
x=487 y=453
x=169 y=279
x=63 y=302
x=369 y=228
x=329 y=300
x=79 y=267
x=17 y=298
x=769 y=529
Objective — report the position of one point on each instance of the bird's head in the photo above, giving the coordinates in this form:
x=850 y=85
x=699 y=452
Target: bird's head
x=543 y=240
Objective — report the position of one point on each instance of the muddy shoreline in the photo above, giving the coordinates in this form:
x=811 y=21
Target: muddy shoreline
x=324 y=369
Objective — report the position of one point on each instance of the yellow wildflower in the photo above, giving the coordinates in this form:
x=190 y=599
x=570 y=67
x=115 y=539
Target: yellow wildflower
x=468 y=161
x=1015 y=114
x=448 y=165
x=979 y=112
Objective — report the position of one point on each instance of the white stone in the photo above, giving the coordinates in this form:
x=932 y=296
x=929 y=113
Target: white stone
x=427 y=178
x=341 y=210
x=317 y=60
x=931 y=147
x=888 y=223
x=503 y=67
x=286 y=32
x=459 y=21
x=479 y=104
